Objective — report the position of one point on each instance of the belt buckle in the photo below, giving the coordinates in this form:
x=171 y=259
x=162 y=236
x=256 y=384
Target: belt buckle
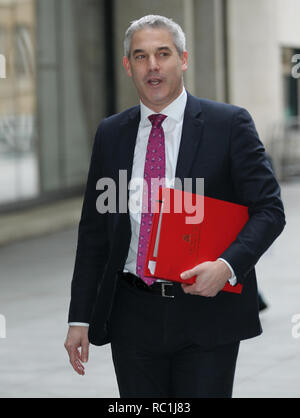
x=163 y=290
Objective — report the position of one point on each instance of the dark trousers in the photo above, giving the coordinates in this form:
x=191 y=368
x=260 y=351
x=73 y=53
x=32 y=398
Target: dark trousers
x=154 y=355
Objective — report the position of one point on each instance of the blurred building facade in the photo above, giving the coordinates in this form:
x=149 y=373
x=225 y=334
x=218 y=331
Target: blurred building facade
x=64 y=74
x=18 y=165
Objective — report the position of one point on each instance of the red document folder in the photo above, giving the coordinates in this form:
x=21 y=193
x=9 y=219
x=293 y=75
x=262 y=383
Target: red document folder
x=177 y=244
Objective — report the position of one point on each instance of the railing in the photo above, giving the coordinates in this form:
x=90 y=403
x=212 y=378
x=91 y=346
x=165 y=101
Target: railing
x=16 y=133
x=18 y=159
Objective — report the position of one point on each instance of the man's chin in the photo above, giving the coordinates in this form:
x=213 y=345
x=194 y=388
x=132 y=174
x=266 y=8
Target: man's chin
x=155 y=99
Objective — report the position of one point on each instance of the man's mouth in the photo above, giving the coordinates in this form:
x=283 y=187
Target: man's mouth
x=154 y=82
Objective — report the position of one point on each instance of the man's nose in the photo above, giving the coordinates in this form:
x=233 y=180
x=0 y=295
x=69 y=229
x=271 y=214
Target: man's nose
x=153 y=64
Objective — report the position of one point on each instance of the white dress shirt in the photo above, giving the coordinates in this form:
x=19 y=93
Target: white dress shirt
x=172 y=127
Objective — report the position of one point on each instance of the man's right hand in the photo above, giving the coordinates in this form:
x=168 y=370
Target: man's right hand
x=78 y=337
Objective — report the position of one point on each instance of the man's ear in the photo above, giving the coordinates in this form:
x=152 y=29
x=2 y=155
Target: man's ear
x=127 y=67
x=184 y=60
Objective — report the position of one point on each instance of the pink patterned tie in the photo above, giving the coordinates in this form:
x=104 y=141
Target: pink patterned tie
x=155 y=167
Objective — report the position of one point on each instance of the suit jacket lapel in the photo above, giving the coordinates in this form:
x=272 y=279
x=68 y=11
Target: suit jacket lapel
x=128 y=134
x=192 y=132
x=129 y=130
x=191 y=138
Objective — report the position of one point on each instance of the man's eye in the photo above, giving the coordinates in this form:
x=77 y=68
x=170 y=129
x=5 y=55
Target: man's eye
x=139 y=57
x=164 y=54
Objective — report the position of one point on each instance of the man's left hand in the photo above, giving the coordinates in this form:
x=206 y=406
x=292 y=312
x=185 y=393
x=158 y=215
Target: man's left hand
x=211 y=277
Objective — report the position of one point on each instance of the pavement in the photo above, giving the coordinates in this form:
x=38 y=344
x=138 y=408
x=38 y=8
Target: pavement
x=39 y=221
x=37 y=259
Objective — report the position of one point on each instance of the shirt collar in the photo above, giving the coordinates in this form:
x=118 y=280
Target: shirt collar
x=175 y=110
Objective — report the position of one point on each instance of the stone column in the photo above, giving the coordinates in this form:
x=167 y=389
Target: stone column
x=71 y=88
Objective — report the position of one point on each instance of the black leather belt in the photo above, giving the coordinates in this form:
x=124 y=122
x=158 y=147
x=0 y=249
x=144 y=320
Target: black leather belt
x=164 y=289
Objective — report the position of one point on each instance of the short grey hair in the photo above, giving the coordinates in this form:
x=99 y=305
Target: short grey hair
x=156 y=22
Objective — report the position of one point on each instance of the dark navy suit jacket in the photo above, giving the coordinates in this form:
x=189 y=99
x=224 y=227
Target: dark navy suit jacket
x=220 y=144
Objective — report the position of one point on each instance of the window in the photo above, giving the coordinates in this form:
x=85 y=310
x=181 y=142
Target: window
x=19 y=177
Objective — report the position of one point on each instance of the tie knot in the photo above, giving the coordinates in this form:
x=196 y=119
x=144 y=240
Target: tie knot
x=157 y=120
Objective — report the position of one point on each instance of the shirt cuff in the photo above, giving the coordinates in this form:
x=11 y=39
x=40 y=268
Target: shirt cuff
x=233 y=279
x=78 y=324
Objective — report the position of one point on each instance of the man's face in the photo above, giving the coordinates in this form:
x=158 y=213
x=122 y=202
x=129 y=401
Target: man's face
x=155 y=67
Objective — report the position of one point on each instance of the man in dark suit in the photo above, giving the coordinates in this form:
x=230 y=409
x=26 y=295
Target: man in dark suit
x=169 y=339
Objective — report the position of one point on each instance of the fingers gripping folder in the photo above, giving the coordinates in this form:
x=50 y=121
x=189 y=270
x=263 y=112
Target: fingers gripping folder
x=179 y=241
